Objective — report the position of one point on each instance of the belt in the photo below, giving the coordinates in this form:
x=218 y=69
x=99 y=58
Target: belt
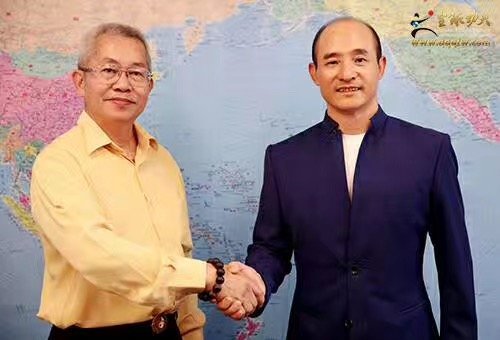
x=160 y=323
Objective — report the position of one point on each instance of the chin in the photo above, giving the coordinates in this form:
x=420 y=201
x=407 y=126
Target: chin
x=348 y=107
x=123 y=115
x=351 y=104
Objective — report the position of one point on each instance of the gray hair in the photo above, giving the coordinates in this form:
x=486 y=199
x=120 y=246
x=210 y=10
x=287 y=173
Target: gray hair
x=90 y=40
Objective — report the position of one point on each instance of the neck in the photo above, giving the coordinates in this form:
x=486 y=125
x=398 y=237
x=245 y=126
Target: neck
x=353 y=122
x=122 y=134
x=124 y=137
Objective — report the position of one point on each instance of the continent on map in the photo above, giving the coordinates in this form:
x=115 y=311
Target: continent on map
x=33 y=112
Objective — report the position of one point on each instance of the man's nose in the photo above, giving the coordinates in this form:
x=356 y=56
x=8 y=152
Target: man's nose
x=122 y=83
x=347 y=71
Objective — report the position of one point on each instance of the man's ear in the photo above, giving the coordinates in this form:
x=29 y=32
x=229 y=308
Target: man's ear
x=79 y=81
x=151 y=85
x=381 y=67
x=312 y=73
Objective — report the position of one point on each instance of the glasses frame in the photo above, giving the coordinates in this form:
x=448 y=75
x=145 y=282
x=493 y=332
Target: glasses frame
x=121 y=70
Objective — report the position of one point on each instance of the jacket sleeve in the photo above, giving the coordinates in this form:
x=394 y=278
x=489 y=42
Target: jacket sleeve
x=271 y=250
x=451 y=250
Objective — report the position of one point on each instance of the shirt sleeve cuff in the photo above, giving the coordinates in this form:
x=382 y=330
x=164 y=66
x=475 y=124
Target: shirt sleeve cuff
x=181 y=273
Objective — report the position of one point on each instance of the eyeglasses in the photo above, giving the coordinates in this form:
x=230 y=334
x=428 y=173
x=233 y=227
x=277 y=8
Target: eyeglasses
x=110 y=74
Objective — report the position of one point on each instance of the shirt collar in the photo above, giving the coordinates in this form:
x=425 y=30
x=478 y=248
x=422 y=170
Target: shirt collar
x=95 y=137
x=377 y=122
x=144 y=138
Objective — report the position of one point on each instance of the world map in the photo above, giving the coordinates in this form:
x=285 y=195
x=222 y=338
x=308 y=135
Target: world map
x=231 y=78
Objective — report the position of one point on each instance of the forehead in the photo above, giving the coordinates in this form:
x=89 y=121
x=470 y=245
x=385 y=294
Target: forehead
x=124 y=50
x=346 y=36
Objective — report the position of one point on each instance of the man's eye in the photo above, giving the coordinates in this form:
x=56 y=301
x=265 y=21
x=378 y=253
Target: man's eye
x=109 y=71
x=332 y=62
x=136 y=74
x=360 y=60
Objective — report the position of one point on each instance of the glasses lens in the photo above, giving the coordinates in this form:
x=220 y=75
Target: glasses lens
x=109 y=73
x=138 y=77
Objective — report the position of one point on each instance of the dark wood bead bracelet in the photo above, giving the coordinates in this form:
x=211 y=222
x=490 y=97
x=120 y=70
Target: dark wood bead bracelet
x=219 y=280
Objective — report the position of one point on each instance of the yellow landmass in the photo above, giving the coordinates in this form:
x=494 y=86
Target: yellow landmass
x=392 y=18
x=193 y=36
x=21 y=214
x=11 y=144
x=58 y=25
x=30 y=150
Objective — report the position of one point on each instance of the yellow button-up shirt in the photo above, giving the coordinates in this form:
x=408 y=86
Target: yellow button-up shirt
x=115 y=233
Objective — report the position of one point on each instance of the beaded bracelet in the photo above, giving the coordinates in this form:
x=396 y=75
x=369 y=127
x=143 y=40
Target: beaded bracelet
x=219 y=280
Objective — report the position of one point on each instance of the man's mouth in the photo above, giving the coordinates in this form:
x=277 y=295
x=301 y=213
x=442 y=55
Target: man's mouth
x=348 y=89
x=121 y=100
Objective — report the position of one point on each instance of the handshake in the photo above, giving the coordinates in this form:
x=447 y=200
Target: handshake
x=242 y=291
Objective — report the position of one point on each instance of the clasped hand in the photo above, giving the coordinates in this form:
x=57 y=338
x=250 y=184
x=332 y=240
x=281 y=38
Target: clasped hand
x=242 y=293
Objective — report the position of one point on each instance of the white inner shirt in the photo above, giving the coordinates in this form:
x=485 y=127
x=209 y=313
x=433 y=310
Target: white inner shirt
x=352 y=144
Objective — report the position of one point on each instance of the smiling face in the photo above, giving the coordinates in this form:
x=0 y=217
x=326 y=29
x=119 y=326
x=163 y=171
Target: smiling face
x=118 y=102
x=347 y=70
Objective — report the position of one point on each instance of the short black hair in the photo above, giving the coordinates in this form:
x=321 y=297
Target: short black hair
x=347 y=18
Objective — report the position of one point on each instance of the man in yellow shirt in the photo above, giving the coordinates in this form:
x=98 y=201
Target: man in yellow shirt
x=111 y=207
